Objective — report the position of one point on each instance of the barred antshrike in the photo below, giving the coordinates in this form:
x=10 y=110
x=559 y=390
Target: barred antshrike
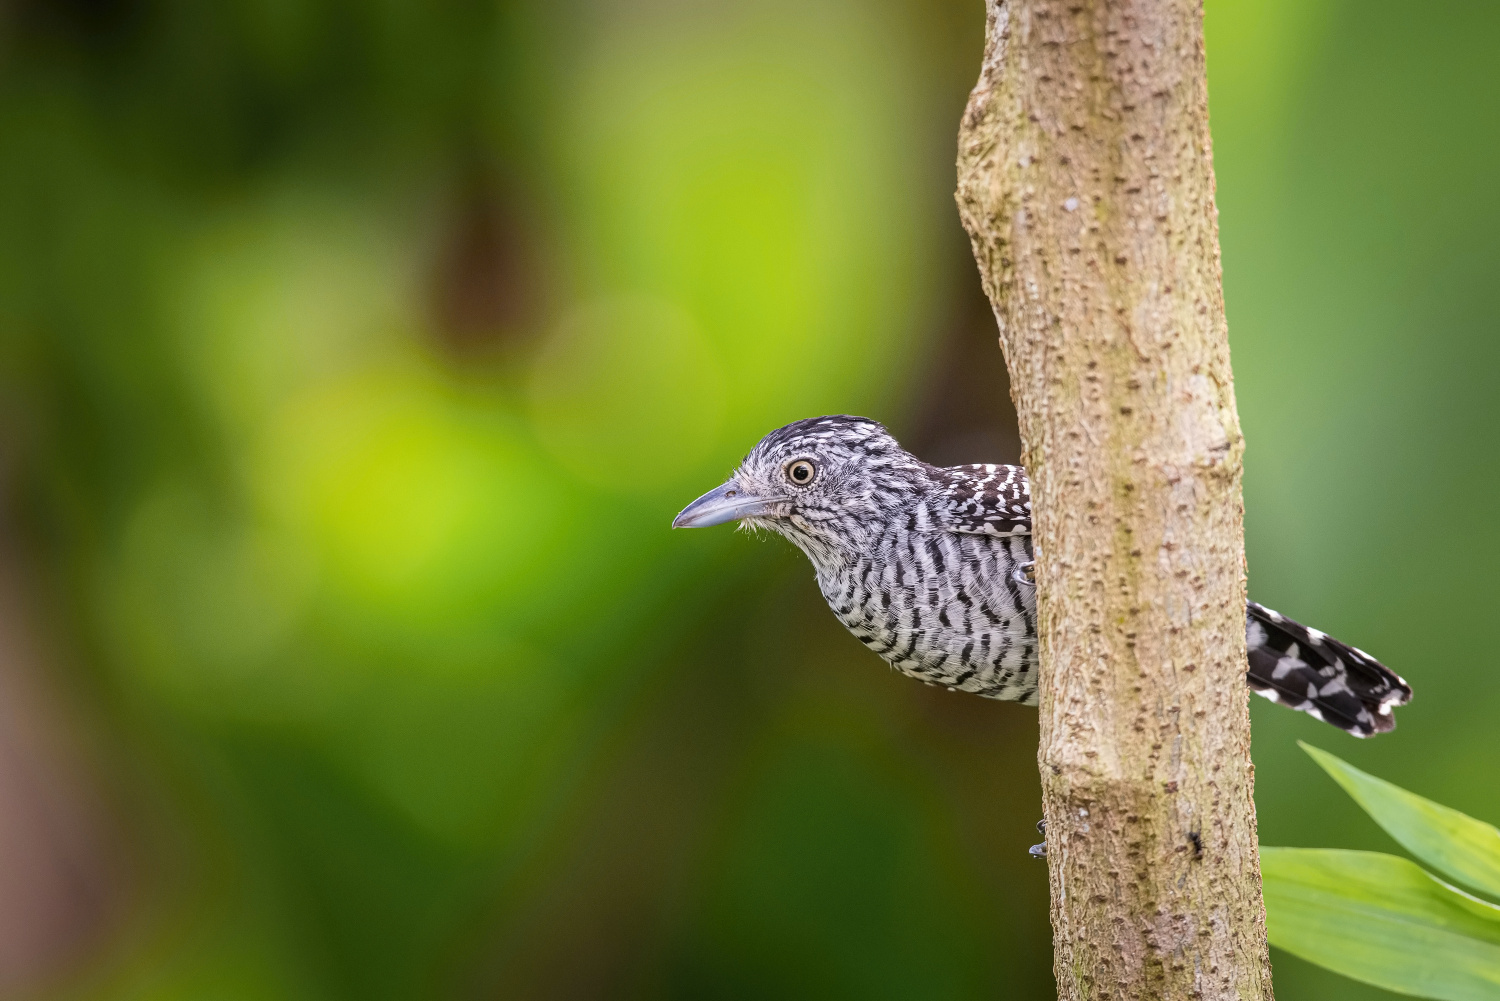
x=931 y=568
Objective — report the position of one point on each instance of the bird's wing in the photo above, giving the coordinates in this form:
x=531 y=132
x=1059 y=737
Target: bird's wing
x=983 y=500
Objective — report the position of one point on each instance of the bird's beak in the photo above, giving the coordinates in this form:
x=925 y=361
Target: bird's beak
x=724 y=503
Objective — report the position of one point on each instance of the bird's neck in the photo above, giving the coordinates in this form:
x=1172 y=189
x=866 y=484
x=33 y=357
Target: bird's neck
x=834 y=547
x=828 y=553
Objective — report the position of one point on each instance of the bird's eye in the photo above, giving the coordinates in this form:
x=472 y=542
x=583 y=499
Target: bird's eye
x=801 y=472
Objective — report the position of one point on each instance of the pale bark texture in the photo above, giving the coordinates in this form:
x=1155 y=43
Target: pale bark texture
x=1086 y=185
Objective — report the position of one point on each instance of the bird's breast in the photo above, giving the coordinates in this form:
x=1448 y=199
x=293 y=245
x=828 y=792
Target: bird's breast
x=948 y=609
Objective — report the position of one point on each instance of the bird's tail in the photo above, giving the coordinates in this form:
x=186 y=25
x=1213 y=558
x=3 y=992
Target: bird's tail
x=1316 y=674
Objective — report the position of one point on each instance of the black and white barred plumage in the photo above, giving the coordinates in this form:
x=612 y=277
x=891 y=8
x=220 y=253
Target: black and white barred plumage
x=928 y=567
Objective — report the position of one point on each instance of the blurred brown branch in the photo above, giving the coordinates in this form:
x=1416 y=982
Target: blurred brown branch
x=57 y=887
x=1086 y=185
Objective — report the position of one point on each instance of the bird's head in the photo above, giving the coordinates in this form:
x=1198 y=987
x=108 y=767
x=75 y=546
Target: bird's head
x=822 y=482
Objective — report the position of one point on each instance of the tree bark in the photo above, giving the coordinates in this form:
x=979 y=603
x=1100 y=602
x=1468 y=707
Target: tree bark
x=1086 y=186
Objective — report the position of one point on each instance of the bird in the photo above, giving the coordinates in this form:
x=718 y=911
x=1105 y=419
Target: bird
x=932 y=568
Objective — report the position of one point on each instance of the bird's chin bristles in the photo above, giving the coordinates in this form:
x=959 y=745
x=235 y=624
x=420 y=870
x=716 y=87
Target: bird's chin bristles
x=823 y=552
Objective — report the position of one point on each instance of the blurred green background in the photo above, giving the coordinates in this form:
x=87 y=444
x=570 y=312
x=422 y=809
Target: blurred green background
x=354 y=357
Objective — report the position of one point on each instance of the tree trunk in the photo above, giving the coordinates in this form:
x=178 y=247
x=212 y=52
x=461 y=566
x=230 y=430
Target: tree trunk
x=1086 y=185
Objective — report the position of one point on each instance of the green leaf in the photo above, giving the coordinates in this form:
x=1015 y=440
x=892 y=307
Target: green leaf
x=1463 y=848
x=1383 y=920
